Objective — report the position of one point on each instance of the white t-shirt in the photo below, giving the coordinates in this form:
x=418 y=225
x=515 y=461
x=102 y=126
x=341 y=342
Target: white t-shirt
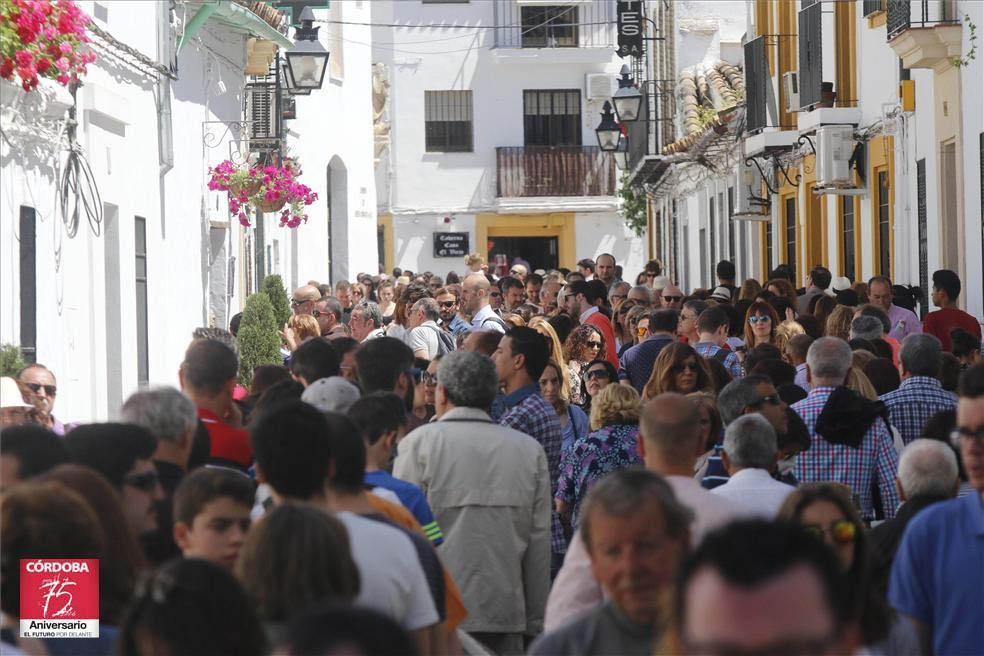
x=392 y=580
x=424 y=338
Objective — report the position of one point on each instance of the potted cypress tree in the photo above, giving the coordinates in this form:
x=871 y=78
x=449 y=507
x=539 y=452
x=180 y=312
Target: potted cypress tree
x=259 y=342
x=273 y=287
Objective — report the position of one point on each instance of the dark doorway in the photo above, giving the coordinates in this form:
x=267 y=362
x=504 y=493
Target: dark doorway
x=540 y=252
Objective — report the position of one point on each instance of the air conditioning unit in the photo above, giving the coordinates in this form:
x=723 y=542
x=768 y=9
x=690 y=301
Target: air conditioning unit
x=835 y=144
x=791 y=91
x=599 y=86
x=750 y=205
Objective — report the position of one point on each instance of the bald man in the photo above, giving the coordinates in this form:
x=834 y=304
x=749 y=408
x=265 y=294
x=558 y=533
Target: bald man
x=475 y=299
x=669 y=441
x=304 y=299
x=672 y=297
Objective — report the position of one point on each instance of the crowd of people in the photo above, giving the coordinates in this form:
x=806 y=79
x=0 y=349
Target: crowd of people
x=546 y=462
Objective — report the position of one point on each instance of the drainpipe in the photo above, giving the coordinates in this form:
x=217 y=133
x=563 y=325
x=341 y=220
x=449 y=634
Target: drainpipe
x=195 y=24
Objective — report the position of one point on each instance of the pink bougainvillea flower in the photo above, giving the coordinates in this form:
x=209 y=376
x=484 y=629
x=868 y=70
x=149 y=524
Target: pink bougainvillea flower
x=23 y=58
x=62 y=64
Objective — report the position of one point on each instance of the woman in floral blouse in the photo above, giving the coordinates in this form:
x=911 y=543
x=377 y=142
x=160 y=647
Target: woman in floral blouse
x=583 y=345
x=610 y=446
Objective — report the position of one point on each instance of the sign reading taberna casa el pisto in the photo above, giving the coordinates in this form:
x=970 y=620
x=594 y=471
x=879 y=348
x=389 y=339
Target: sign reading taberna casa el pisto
x=629 y=27
x=450 y=244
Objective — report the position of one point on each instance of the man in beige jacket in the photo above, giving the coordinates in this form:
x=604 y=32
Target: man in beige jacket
x=489 y=488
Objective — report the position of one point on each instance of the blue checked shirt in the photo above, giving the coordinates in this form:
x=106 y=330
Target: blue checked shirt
x=708 y=350
x=916 y=400
x=528 y=412
x=874 y=462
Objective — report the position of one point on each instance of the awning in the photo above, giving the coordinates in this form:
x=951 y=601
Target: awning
x=234 y=16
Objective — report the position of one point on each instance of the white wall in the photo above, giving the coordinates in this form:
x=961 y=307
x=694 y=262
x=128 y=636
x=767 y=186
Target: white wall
x=973 y=125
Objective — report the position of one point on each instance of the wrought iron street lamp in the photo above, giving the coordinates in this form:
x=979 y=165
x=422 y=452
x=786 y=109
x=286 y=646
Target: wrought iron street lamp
x=307 y=60
x=608 y=130
x=289 y=83
x=628 y=98
x=621 y=153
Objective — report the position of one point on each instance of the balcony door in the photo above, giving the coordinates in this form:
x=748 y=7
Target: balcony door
x=552 y=117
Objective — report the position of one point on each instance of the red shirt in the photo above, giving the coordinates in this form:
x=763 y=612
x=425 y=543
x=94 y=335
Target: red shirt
x=601 y=322
x=227 y=442
x=940 y=323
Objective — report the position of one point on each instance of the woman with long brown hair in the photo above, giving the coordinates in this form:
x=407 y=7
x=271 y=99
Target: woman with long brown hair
x=839 y=323
x=584 y=344
x=749 y=290
x=784 y=288
x=761 y=322
x=678 y=368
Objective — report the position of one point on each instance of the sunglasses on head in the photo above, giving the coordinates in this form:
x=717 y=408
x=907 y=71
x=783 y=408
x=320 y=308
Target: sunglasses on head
x=597 y=373
x=145 y=481
x=842 y=531
x=759 y=319
x=672 y=299
x=50 y=390
x=294 y=302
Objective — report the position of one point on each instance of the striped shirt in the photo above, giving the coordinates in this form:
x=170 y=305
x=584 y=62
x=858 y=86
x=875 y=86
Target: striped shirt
x=916 y=400
x=874 y=462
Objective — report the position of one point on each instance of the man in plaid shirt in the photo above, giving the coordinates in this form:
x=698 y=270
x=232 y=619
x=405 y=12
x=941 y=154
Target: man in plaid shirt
x=920 y=396
x=519 y=361
x=872 y=461
x=712 y=331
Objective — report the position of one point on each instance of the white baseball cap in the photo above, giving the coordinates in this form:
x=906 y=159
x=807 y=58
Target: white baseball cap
x=334 y=394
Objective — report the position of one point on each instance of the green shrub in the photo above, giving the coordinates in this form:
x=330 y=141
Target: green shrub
x=259 y=342
x=273 y=287
x=11 y=361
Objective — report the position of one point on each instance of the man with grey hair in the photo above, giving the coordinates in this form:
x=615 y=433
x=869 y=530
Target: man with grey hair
x=628 y=508
x=928 y=474
x=328 y=311
x=171 y=417
x=865 y=327
x=548 y=296
x=920 y=396
x=424 y=338
x=850 y=439
x=366 y=321
x=618 y=293
x=749 y=455
x=641 y=294
x=489 y=485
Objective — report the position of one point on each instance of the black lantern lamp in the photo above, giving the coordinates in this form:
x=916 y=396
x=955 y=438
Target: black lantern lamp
x=608 y=130
x=289 y=83
x=628 y=98
x=307 y=60
x=621 y=153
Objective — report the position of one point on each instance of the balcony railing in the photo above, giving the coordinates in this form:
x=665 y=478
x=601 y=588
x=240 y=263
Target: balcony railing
x=554 y=171
x=906 y=14
x=589 y=24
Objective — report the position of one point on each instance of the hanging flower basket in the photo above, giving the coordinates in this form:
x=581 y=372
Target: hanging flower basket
x=265 y=188
x=43 y=38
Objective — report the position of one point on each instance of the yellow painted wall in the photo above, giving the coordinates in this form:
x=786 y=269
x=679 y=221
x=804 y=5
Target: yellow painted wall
x=385 y=222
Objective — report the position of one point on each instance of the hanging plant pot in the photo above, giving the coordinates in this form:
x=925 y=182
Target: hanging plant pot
x=268 y=206
x=250 y=187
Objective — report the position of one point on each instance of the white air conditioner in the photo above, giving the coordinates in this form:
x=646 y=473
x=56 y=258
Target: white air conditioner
x=750 y=205
x=599 y=86
x=835 y=144
x=791 y=91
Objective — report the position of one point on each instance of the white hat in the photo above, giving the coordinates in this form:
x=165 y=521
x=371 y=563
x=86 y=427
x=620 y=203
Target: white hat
x=334 y=394
x=838 y=284
x=10 y=394
x=661 y=282
x=722 y=294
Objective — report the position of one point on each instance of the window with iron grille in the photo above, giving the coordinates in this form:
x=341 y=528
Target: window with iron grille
x=140 y=269
x=552 y=117
x=922 y=227
x=28 y=284
x=810 y=53
x=884 y=229
x=448 y=121
x=847 y=230
x=756 y=78
x=790 y=228
x=712 y=243
x=549 y=26
x=869 y=7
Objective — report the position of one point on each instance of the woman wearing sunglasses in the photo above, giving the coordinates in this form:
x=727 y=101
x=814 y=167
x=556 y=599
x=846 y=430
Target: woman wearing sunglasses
x=761 y=322
x=826 y=510
x=680 y=369
x=584 y=344
x=598 y=375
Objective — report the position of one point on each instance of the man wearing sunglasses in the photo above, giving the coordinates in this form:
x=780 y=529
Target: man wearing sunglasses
x=672 y=297
x=938 y=575
x=38 y=387
x=304 y=298
x=447 y=301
